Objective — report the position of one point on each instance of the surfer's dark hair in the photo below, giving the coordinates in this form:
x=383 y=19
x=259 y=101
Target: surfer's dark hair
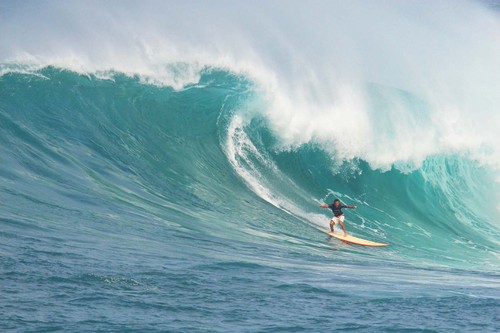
x=334 y=201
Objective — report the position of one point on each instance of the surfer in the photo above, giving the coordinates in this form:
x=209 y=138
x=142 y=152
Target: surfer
x=338 y=215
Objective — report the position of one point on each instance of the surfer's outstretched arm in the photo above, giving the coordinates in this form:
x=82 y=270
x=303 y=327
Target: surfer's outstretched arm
x=351 y=207
x=324 y=206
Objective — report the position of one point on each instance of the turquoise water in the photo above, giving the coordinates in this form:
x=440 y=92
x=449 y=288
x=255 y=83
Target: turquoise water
x=121 y=211
x=154 y=195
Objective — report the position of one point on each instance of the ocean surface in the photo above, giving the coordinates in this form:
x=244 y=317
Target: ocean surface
x=162 y=166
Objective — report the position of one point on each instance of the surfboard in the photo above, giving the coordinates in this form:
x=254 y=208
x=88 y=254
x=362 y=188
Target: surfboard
x=352 y=239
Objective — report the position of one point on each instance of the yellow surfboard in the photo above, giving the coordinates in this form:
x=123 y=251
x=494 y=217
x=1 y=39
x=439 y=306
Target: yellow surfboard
x=352 y=239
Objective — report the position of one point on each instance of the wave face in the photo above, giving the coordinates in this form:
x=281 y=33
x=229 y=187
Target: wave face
x=167 y=176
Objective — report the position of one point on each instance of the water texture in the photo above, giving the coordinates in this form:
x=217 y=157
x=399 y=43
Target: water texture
x=158 y=175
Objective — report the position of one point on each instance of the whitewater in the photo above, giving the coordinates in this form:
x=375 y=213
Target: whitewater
x=162 y=166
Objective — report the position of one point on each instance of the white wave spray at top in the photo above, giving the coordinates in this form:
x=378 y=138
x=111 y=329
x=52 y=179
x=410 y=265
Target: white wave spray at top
x=313 y=62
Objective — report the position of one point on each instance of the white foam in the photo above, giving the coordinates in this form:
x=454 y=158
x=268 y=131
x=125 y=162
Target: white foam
x=239 y=150
x=256 y=170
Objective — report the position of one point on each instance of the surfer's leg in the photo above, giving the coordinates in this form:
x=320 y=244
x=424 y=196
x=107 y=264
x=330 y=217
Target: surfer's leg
x=332 y=222
x=341 y=222
x=343 y=228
